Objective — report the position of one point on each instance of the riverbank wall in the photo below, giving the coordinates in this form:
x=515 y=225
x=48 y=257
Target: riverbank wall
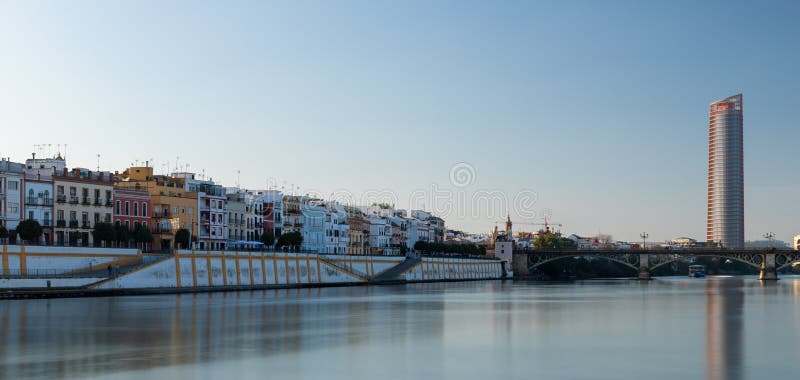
x=106 y=270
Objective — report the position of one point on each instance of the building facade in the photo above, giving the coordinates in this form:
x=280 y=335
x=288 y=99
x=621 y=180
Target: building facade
x=83 y=199
x=11 y=187
x=173 y=207
x=725 y=211
x=132 y=207
x=212 y=216
x=796 y=242
x=237 y=218
x=358 y=243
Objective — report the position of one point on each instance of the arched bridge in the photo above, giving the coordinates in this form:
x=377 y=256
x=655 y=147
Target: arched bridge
x=768 y=262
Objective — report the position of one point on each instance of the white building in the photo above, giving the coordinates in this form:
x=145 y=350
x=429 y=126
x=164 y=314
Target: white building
x=796 y=242
x=581 y=242
x=380 y=235
x=237 y=218
x=337 y=231
x=212 y=231
x=312 y=221
x=11 y=186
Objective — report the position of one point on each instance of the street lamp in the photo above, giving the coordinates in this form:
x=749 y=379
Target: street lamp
x=644 y=237
x=769 y=236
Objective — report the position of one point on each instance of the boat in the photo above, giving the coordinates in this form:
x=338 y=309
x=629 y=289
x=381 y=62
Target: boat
x=697 y=271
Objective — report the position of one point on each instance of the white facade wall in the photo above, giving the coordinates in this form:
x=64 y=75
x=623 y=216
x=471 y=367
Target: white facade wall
x=11 y=188
x=380 y=233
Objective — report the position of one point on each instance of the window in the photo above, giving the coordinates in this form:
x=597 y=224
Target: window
x=128 y=224
x=144 y=209
x=13 y=185
x=60 y=214
x=127 y=208
x=96 y=217
x=116 y=210
x=135 y=208
x=73 y=215
x=175 y=209
x=60 y=190
x=30 y=214
x=73 y=191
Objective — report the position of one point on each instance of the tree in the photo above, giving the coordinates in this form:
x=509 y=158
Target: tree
x=268 y=238
x=182 y=238
x=3 y=234
x=103 y=232
x=142 y=235
x=290 y=239
x=29 y=230
x=122 y=234
x=73 y=237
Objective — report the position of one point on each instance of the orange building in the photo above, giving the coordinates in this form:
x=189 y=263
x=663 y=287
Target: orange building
x=173 y=208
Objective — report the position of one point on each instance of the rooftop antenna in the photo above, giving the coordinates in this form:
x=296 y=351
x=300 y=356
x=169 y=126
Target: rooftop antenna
x=238 y=173
x=50 y=150
x=59 y=149
x=98 y=162
x=65 y=152
x=177 y=167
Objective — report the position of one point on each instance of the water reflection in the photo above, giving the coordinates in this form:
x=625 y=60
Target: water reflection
x=459 y=331
x=724 y=329
x=75 y=338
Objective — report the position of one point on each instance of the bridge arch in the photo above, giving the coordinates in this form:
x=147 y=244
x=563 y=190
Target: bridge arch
x=753 y=260
x=632 y=262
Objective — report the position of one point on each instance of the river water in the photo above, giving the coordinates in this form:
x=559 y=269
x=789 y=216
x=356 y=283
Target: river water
x=673 y=328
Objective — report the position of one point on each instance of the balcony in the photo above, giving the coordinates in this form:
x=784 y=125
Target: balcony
x=86 y=225
x=73 y=224
x=109 y=203
x=85 y=201
x=39 y=201
x=47 y=223
x=98 y=202
x=61 y=223
x=73 y=200
x=61 y=198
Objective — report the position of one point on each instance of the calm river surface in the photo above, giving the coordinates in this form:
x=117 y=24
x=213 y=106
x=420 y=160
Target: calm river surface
x=674 y=328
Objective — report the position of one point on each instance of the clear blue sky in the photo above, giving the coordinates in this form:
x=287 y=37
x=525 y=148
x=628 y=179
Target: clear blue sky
x=599 y=107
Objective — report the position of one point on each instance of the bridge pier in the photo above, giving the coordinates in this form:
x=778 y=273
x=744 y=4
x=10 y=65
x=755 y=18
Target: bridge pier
x=769 y=271
x=644 y=267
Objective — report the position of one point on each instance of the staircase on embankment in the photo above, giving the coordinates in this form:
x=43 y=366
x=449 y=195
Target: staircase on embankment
x=393 y=274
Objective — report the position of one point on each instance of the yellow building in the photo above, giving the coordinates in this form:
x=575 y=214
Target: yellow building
x=358 y=232
x=173 y=207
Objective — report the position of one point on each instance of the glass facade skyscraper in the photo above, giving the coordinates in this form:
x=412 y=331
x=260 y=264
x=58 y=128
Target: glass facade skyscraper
x=725 y=214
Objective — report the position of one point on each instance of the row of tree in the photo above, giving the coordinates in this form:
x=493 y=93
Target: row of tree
x=450 y=248
x=111 y=234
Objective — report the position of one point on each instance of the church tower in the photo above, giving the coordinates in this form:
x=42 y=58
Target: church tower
x=509 y=233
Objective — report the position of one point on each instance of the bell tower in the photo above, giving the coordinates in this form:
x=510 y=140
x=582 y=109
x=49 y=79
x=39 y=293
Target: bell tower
x=509 y=234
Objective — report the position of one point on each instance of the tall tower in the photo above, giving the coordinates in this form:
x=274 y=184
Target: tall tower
x=725 y=213
x=509 y=232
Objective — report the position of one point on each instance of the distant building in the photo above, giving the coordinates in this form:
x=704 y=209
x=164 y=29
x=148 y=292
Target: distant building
x=359 y=232
x=581 y=242
x=684 y=242
x=797 y=242
x=763 y=244
x=725 y=212
x=11 y=187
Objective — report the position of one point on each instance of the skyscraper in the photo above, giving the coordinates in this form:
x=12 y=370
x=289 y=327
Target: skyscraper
x=725 y=214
